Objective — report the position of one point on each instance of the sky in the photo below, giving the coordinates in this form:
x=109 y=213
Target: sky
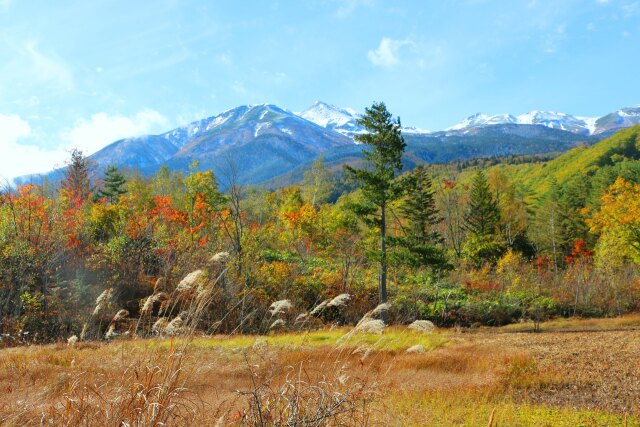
x=82 y=74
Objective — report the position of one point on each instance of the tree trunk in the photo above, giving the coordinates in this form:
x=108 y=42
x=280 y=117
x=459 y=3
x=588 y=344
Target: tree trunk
x=382 y=289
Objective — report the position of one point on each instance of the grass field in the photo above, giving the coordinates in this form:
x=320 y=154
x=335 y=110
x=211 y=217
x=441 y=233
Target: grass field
x=589 y=376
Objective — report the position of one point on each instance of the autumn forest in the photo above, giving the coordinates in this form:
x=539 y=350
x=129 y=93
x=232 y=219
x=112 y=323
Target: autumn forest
x=485 y=242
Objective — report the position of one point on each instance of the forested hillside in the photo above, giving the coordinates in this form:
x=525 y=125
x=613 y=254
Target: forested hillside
x=106 y=255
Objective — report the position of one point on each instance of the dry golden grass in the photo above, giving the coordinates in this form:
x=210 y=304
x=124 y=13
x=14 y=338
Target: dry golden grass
x=587 y=378
x=628 y=321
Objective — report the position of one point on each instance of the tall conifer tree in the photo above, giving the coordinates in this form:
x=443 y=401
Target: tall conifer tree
x=482 y=215
x=422 y=239
x=383 y=154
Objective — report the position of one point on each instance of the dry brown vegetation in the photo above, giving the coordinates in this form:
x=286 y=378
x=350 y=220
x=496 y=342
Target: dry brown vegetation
x=549 y=378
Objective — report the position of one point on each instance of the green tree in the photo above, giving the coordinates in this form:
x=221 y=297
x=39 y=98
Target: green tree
x=422 y=240
x=548 y=232
x=573 y=199
x=114 y=185
x=482 y=218
x=482 y=215
x=383 y=156
x=513 y=213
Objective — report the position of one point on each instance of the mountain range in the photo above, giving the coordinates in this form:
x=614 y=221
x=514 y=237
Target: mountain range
x=622 y=118
x=259 y=143
x=343 y=120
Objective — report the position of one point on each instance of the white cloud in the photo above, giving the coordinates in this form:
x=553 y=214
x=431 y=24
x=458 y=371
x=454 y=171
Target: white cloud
x=90 y=135
x=13 y=127
x=388 y=52
x=21 y=159
x=603 y=1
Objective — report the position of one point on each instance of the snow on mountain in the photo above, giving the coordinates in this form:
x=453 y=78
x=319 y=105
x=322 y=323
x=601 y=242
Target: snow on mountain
x=479 y=119
x=622 y=118
x=414 y=130
x=342 y=120
x=550 y=119
x=268 y=141
x=589 y=124
x=555 y=120
x=326 y=115
x=329 y=116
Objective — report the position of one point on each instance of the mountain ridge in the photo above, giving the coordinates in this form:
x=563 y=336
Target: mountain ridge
x=588 y=126
x=266 y=141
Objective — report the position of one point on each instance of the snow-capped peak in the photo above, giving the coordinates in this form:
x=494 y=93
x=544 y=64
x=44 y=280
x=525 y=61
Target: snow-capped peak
x=629 y=111
x=480 y=119
x=327 y=115
x=551 y=119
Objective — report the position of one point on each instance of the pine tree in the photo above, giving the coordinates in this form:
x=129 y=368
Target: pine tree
x=114 y=183
x=481 y=218
x=421 y=239
x=376 y=183
x=482 y=215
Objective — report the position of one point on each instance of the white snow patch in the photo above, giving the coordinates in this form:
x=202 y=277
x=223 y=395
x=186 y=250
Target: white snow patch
x=414 y=130
x=550 y=119
x=327 y=115
x=480 y=119
x=260 y=127
x=589 y=123
x=219 y=120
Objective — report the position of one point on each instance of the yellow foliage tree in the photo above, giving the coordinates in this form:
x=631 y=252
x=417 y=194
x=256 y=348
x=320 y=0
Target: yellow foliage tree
x=618 y=222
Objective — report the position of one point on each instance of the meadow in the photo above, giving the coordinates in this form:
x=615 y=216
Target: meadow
x=574 y=372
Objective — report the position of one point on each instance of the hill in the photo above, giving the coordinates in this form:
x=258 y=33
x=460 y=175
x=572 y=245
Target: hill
x=580 y=161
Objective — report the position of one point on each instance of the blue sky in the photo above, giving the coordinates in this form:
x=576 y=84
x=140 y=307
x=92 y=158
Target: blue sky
x=85 y=73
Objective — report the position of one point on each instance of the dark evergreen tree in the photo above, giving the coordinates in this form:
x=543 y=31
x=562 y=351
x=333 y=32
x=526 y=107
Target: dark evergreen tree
x=422 y=241
x=482 y=215
x=114 y=185
x=420 y=206
x=384 y=153
x=573 y=199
